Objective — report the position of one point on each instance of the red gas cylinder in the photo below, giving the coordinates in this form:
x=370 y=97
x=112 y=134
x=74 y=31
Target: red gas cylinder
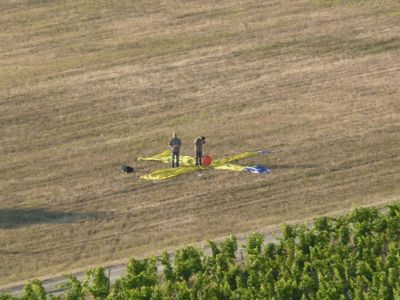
x=207 y=160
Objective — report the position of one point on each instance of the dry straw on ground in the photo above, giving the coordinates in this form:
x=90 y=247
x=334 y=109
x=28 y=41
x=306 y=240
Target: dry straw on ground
x=86 y=86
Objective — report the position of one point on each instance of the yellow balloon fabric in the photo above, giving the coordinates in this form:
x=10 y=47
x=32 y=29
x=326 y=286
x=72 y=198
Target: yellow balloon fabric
x=235 y=157
x=171 y=172
x=229 y=167
x=165 y=157
x=188 y=164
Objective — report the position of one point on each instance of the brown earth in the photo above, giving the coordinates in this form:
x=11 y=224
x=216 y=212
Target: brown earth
x=86 y=86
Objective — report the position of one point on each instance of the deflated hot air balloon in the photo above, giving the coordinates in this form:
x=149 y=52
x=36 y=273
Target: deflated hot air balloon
x=187 y=164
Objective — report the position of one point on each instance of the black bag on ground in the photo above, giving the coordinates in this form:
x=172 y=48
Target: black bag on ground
x=127 y=169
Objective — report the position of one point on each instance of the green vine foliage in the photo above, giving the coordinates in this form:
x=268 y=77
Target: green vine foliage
x=7 y=297
x=34 y=290
x=72 y=288
x=96 y=283
x=356 y=256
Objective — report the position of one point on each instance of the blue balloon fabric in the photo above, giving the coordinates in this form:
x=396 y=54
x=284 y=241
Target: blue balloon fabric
x=258 y=169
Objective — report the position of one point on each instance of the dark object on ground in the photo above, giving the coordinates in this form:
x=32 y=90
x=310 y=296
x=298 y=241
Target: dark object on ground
x=127 y=169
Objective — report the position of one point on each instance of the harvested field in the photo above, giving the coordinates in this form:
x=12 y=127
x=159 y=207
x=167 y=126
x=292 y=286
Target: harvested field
x=86 y=86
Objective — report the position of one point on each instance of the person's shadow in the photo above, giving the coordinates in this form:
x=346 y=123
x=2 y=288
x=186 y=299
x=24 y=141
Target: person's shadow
x=11 y=218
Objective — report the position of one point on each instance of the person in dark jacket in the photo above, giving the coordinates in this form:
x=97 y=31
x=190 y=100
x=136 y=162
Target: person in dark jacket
x=198 y=149
x=175 y=145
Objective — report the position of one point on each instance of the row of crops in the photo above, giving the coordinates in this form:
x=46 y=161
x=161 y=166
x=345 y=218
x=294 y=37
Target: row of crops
x=356 y=256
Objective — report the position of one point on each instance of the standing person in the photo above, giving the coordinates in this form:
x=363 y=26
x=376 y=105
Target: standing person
x=175 y=145
x=198 y=149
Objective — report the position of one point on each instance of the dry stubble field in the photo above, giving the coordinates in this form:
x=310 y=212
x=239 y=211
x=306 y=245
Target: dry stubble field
x=86 y=86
